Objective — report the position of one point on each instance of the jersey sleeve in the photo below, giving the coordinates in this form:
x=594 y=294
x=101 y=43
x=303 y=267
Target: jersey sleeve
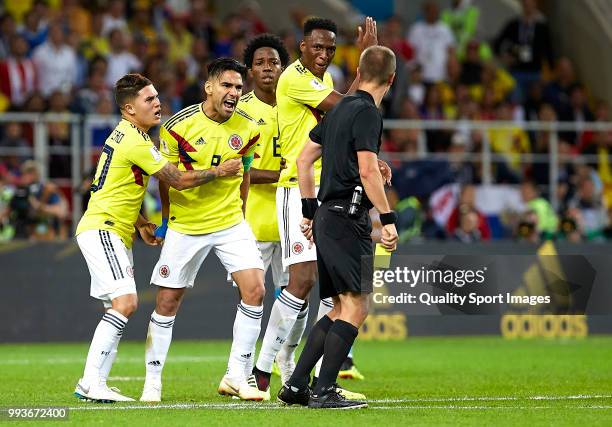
x=168 y=145
x=308 y=90
x=147 y=157
x=366 y=130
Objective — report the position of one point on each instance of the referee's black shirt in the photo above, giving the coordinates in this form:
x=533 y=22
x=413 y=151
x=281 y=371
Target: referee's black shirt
x=354 y=124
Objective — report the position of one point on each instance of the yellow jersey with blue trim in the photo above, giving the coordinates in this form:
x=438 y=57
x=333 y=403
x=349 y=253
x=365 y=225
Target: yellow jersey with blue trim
x=262 y=197
x=118 y=189
x=298 y=94
x=193 y=141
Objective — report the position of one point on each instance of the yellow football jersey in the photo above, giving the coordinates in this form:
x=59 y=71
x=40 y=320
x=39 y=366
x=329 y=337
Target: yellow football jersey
x=128 y=158
x=261 y=203
x=298 y=94
x=194 y=142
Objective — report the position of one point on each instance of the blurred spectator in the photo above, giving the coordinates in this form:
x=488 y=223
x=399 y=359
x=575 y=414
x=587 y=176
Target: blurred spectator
x=416 y=86
x=462 y=19
x=230 y=30
x=608 y=229
x=59 y=136
x=578 y=112
x=7 y=29
x=34 y=29
x=534 y=102
x=120 y=60
x=511 y=141
x=95 y=44
x=588 y=202
x=544 y=218
x=76 y=18
x=13 y=139
x=438 y=140
x=540 y=170
x=463 y=170
x=392 y=36
x=141 y=26
x=87 y=98
x=471 y=70
x=114 y=18
x=37 y=210
x=56 y=63
x=467 y=231
x=527 y=228
x=252 y=24
x=6 y=193
x=198 y=58
x=17 y=73
x=433 y=42
x=571 y=226
x=179 y=38
x=201 y=23
x=524 y=46
x=467 y=204
x=557 y=91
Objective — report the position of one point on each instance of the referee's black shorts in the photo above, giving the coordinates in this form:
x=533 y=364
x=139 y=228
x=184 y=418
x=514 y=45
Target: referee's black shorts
x=342 y=243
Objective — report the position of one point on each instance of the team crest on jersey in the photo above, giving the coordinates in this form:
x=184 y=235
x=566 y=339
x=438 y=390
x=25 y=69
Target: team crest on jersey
x=129 y=270
x=235 y=142
x=297 y=248
x=164 y=271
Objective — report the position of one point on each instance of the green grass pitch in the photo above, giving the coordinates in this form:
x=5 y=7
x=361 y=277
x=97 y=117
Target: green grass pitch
x=420 y=381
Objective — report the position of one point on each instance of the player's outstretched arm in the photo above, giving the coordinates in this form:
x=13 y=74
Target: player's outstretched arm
x=172 y=176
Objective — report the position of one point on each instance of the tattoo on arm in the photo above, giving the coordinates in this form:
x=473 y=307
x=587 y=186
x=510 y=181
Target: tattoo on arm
x=171 y=175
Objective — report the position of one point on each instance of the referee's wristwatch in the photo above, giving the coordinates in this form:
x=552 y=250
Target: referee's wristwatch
x=388 y=218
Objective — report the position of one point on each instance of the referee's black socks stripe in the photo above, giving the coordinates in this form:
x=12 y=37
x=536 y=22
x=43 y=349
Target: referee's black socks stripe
x=313 y=350
x=338 y=343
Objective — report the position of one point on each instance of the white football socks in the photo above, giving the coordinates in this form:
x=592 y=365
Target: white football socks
x=282 y=319
x=246 y=331
x=159 y=337
x=105 y=340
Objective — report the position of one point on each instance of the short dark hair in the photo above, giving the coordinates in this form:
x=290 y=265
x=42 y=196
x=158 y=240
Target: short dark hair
x=319 y=24
x=220 y=65
x=128 y=86
x=265 y=40
x=376 y=64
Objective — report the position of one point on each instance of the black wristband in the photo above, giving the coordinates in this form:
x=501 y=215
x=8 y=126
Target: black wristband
x=388 y=218
x=309 y=207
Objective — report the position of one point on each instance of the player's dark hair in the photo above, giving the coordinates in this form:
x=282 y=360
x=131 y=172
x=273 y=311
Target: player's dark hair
x=265 y=40
x=221 y=65
x=376 y=64
x=319 y=24
x=128 y=86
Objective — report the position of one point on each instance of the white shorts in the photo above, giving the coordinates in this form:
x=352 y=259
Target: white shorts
x=110 y=264
x=289 y=213
x=183 y=254
x=271 y=255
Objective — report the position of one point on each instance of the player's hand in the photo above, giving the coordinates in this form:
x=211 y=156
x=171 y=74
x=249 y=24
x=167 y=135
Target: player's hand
x=367 y=36
x=160 y=232
x=385 y=171
x=147 y=232
x=231 y=167
x=306 y=228
x=388 y=237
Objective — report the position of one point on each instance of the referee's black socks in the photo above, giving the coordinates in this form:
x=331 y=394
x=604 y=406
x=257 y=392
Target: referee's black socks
x=313 y=350
x=338 y=343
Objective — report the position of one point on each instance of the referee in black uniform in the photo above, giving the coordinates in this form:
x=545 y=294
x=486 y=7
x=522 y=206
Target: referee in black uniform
x=348 y=139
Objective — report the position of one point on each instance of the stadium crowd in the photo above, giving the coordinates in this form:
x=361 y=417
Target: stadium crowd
x=64 y=56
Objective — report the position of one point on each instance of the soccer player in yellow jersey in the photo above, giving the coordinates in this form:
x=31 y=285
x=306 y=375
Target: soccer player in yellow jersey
x=304 y=92
x=265 y=57
x=208 y=218
x=104 y=234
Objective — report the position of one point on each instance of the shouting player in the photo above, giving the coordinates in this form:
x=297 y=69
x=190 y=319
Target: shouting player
x=104 y=234
x=208 y=217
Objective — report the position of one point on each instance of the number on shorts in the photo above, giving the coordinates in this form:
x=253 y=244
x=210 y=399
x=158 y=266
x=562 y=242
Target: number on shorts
x=108 y=150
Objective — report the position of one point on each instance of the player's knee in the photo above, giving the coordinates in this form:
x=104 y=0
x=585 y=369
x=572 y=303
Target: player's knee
x=126 y=305
x=254 y=295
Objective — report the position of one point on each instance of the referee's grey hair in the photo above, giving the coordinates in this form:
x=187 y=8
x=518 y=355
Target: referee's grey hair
x=376 y=64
